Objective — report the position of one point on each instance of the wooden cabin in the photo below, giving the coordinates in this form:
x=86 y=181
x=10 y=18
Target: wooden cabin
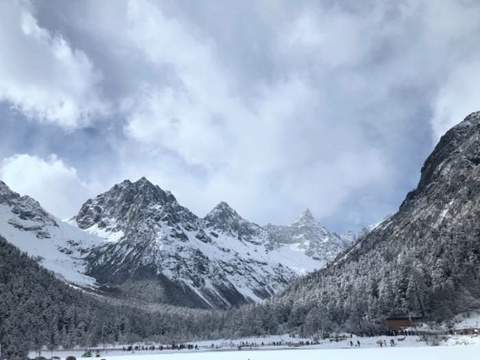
x=401 y=323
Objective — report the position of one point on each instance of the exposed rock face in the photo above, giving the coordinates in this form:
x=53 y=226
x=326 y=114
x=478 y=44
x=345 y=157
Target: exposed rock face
x=129 y=204
x=312 y=237
x=226 y=220
x=423 y=260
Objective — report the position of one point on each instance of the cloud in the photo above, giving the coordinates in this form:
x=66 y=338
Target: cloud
x=55 y=185
x=270 y=106
x=42 y=75
x=456 y=36
x=187 y=113
x=458 y=97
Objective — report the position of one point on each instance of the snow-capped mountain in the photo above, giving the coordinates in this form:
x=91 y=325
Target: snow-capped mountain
x=309 y=235
x=158 y=250
x=226 y=220
x=57 y=246
x=136 y=240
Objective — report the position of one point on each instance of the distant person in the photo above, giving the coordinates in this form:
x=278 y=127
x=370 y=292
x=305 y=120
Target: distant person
x=358 y=343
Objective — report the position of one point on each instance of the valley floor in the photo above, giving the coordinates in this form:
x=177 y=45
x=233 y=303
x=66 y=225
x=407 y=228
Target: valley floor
x=455 y=347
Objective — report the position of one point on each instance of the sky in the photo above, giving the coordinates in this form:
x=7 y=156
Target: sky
x=271 y=106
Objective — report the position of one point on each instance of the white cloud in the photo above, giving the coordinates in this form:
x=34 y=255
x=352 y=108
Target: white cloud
x=458 y=97
x=42 y=75
x=55 y=185
x=188 y=114
x=332 y=38
x=456 y=39
x=271 y=106
x=187 y=106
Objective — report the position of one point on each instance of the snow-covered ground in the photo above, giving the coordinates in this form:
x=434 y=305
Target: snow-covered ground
x=455 y=347
x=424 y=353
x=470 y=322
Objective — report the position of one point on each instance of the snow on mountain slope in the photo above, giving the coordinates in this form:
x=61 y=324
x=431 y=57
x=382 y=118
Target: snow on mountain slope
x=158 y=250
x=310 y=236
x=58 y=247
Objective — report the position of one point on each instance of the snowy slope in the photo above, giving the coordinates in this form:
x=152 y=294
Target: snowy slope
x=179 y=258
x=58 y=247
x=308 y=235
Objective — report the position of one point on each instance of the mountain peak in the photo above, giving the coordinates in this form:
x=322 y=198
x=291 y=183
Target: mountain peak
x=143 y=181
x=223 y=206
x=126 y=202
x=457 y=149
x=222 y=212
x=146 y=189
x=306 y=217
x=4 y=189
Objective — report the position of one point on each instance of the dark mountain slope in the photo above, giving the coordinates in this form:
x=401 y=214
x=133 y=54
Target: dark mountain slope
x=37 y=310
x=424 y=260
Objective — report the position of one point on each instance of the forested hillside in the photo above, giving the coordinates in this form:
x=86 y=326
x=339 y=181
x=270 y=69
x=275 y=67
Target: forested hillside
x=423 y=261
x=36 y=309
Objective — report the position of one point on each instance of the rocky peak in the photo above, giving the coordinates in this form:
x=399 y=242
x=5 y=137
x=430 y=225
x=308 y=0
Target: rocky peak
x=222 y=214
x=309 y=234
x=7 y=196
x=309 y=223
x=306 y=218
x=349 y=237
x=225 y=219
x=457 y=150
x=26 y=208
x=130 y=203
x=143 y=191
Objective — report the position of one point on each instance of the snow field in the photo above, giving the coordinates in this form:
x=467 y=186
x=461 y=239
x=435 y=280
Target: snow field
x=411 y=348
x=397 y=353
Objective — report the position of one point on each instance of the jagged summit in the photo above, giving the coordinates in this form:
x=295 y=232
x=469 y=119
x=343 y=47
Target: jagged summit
x=146 y=189
x=306 y=217
x=128 y=203
x=222 y=213
x=26 y=208
x=223 y=207
x=225 y=219
x=308 y=234
x=6 y=194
